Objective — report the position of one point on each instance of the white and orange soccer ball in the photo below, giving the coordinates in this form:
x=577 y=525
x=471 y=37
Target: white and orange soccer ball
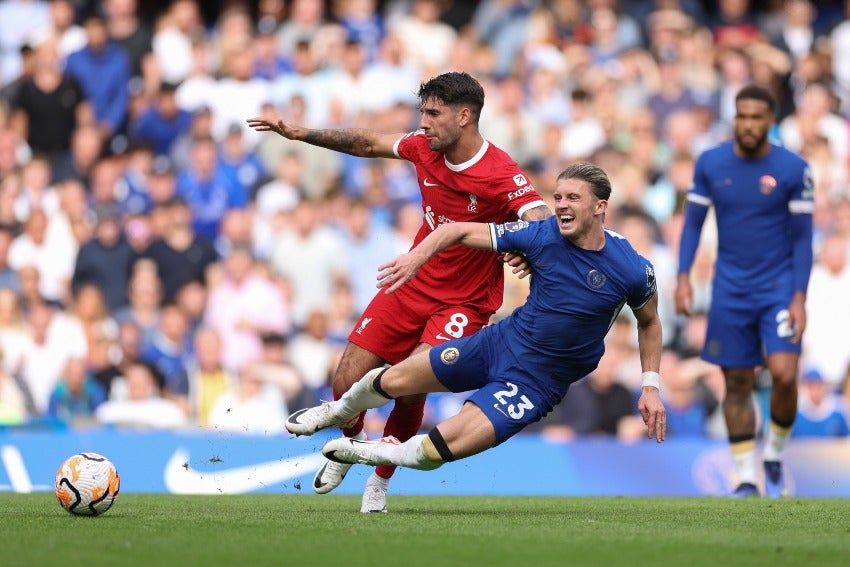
x=87 y=484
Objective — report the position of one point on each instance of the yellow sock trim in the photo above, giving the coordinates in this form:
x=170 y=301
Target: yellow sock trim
x=778 y=430
x=742 y=447
x=430 y=451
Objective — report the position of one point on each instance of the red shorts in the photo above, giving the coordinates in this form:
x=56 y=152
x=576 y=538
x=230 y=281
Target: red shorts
x=393 y=325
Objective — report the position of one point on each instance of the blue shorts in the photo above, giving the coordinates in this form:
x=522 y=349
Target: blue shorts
x=743 y=329
x=510 y=395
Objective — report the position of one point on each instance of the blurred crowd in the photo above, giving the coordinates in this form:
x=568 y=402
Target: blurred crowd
x=162 y=265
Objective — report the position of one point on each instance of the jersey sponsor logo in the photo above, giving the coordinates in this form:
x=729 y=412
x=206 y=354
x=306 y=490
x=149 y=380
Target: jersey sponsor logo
x=520 y=180
x=596 y=279
x=450 y=356
x=360 y=330
x=500 y=230
x=427 y=184
x=515 y=226
x=520 y=192
x=472 y=207
x=767 y=184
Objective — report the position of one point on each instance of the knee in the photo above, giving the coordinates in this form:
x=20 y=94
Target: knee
x=739 y=383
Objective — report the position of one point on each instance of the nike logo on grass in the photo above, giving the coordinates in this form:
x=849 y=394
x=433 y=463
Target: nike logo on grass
x=181 y=478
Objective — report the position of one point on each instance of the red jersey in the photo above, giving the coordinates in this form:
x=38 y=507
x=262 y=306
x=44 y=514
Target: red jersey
x=490 y=187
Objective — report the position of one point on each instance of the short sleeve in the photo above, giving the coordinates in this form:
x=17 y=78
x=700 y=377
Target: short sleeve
x=644 y=285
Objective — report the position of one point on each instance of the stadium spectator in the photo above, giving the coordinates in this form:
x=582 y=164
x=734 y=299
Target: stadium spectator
x=827 y=303
x=8 y=275
x=207 y=190
x=176 y=29
x=248 y=408
x=53 y=338
x=106 y=260
x=822 y=412
x=63 y=29
x=103 y=69
x=89 y=308
x=367 y=244
x=242 y=306
x=19 y=19
x=208 y=379
x=15 y=401
x=144 y=406
x=240 y=163
x=168 y=352
x=77 y=395
x=161 y=123
x=144 y=293
x=310 y=256
x=133 y=33
x=49 y=106
x=44 y=245
x=180 y=255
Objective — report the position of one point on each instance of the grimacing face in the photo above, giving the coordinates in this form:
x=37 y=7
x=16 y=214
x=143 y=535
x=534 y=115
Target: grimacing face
x=576 y=207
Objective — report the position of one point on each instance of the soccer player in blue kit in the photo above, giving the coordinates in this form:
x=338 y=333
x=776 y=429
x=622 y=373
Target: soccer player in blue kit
x=763 y=199
x=522 y=366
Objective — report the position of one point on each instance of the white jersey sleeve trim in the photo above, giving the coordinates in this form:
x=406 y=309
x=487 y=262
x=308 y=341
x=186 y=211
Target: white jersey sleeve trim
x=698 y=199
x=801 y=207
x=531 y=205
x=395 y=146
x=492 y=227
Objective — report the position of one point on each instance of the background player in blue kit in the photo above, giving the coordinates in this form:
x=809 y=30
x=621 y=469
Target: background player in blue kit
x=522 y=366
x=763 y=200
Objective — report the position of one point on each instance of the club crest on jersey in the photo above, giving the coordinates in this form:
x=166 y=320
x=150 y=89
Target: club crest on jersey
x=472 y=207
x=363 y=324
x=596 y=279
x=450 y=355
x=767 y=184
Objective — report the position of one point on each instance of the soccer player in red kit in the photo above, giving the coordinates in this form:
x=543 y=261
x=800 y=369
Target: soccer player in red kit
x=462 y=177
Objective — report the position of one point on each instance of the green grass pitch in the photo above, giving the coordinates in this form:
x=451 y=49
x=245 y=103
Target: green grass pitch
x=308 y=530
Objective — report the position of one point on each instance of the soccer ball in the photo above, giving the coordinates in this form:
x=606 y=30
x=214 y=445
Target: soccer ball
x=87 y=484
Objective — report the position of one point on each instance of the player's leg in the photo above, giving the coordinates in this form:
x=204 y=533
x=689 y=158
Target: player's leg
x=783 y=358
x=445 y=323
x=355 y=362
x=740 y=414
x=376 y=388
x=387 y=330
x=733 y=342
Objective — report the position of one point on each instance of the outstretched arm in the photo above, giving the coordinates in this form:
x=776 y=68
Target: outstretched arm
x=354 y=141
x=401 y=270
x=649 y=344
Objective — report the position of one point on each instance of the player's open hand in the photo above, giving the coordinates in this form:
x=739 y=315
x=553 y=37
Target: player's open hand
x=395 y=274
x=519 y=264
x=653 y=413
x=261 y=124
x=797 y=316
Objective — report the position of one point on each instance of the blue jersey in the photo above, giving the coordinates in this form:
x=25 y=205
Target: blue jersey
x=575 y=294
x=754 y=201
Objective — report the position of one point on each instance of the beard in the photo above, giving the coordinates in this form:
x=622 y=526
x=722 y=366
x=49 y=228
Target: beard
x=750 y=149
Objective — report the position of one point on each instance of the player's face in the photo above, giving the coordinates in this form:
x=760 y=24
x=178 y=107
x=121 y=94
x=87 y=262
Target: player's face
x=577 y=208
x=440 y=123
x=753 y=119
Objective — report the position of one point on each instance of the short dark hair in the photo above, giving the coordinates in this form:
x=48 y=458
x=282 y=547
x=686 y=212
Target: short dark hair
x=755 y=92
x=454 y=89
x=592 y=174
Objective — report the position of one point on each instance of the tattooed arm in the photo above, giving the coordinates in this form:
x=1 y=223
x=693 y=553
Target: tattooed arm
x=354 y=141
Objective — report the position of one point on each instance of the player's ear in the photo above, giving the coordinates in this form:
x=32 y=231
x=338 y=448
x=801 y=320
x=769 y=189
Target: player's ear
x=601 y=207
x=464 y=116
